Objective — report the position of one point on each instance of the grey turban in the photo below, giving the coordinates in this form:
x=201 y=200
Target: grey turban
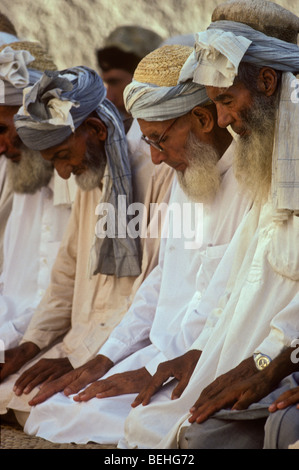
x=76 y=91
x=53 y=108
x=159 y=103
x=263 y=50
x=219 y=50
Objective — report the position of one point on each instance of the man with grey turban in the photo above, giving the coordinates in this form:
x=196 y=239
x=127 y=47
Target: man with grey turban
x=66 y=116
x=178 y=124
x=250 y=77
x=36 y=225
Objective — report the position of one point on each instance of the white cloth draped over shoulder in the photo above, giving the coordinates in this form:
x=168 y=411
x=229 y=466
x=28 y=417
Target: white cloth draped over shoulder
x=145 y=336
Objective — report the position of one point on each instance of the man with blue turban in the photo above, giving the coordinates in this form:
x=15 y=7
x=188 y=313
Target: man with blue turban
x=66 y=116
x=178 y=125
x=250 y=76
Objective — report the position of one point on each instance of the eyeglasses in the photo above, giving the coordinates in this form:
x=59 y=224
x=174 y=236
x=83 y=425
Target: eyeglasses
x=156 y=143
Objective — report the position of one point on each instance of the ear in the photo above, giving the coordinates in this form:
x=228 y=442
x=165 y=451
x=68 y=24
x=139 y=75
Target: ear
x=96 y=127
x=203 y=119
x=267 y=81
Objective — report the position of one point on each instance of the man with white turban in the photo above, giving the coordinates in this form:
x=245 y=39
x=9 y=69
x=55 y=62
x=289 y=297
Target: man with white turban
x=67 y=117
x=257 y=315
x=36 y=224
x=178 y=123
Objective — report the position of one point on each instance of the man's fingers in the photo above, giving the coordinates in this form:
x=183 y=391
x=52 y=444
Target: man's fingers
x=75 y=386
x=89 y=393
x=138 y=400
x=144 y=397
x=245 y=400
x=288 y=398
x=178 y=390
x=28 y=381
x=200 y=414
x=80 y=381
x=44 y=394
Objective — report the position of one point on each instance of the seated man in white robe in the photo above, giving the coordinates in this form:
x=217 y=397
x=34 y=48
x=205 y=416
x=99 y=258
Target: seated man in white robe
x=36 y=224
x=257 y=315
x=80 y=132
x=178 y=122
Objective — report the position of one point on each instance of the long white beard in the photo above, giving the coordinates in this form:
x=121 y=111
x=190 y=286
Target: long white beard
x=31 y=173
x=201 y=179
x=90 y=179
x=253 y=156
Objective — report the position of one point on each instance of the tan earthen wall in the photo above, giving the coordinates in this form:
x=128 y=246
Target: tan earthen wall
x=72 y=29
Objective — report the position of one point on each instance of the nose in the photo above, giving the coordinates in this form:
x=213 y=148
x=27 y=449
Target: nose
x=224 y=116
x=157 y=156
x=63 y=169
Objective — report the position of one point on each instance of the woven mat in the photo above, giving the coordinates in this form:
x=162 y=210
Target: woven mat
x=13 y=437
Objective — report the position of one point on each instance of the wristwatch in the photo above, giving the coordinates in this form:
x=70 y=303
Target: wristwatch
x=261 y=360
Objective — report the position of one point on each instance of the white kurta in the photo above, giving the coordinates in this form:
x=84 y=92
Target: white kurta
x=257 y=312
x=145 y=335
x=32 y=238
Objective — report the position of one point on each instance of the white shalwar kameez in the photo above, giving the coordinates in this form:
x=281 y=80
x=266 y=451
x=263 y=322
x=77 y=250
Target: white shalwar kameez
x=258 y=312
x=32 y=239
x=144 y=336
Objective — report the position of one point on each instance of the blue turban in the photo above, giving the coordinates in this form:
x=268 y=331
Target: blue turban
x=54 y=108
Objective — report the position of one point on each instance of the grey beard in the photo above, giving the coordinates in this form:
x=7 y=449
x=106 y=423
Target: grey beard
x=92 y=177
x=31 y=173
x=253 y=157
x=201 y=179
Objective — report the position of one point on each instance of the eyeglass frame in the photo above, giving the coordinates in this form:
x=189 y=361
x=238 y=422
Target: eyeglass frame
x=156 y=143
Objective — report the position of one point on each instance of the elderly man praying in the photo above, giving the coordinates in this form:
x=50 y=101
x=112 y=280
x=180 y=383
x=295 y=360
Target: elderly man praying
x=178 y=123
x=249 y=77
x=68 y=119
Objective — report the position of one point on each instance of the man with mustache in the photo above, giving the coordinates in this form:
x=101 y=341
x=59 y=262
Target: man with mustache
x=248 y=76
x=179 y=124
x=67 y=118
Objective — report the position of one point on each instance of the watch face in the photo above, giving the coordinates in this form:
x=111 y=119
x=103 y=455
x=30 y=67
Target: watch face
x=262 y=362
